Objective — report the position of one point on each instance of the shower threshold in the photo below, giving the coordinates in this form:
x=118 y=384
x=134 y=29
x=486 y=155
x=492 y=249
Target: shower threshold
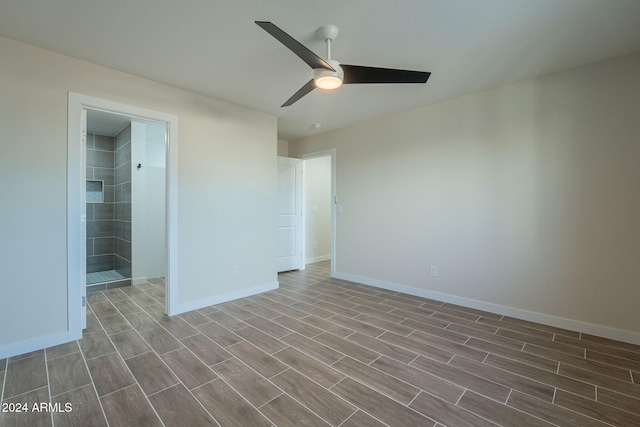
x=101 y=280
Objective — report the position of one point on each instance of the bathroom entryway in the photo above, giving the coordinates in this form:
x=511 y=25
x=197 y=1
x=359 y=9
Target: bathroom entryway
x=125 y=196
x=122 y=184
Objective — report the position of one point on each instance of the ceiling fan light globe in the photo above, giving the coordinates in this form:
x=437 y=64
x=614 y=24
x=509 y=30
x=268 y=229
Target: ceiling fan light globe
x=328 y=79
x=328 y=82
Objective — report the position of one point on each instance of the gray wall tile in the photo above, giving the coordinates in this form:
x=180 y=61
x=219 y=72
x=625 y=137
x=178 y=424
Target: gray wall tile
x=123 y=230
x=104 y=245
x=104 y=211
x=101 y=159
x=122 y=155
x=105 y=143
x=96 y=287
x=104 y=174
x=123 y=266
x=123 y=249
x=123 y=211
x=90 y=211
x=125 y=192
x=109 y=193
x=100 y=229
x=123 y=137
x=123 y=173
x=118 y=284
x=100 y=263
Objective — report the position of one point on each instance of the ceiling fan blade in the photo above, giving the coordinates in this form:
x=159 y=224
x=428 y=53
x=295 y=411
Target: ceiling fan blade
x=313 y=60
x=360 y=74
x=311 y=85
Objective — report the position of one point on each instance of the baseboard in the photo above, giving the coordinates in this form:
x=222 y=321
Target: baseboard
x=317 y=259
x=65 y=337
x=138 y=281
x=34 y=344
x=229 y=296
x=545 y=319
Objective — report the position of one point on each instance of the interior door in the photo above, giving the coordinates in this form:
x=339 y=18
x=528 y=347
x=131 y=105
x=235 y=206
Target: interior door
x=289 y=214
x=83 y=220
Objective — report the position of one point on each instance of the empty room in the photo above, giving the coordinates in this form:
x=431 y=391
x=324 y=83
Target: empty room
x=320 y=213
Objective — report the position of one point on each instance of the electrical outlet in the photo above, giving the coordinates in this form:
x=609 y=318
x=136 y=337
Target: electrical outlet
x=235 y=270
x=433 y=270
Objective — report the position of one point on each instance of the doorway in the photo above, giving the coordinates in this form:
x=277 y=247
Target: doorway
x=319 y=207
x=125 y=200
x=83 y=109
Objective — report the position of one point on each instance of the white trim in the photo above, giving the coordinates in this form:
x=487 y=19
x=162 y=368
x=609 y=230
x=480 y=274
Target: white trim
x=76 y=103
x=317 y=259
x=545 y=319
x=323 y=153
x=35 y=344
x=171 y=279
x=75 y=174
x=138 y=281
x=229 y=296
x=83 y=211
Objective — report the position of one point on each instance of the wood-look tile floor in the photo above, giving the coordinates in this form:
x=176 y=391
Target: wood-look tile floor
x=316 y=352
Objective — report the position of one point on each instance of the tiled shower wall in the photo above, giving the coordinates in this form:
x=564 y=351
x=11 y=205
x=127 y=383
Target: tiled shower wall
x=109 y=222
x=101 y=245
x=122 y=198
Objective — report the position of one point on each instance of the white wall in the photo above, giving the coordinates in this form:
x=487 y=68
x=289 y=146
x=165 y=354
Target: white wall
x=139 y=229
x=148 y=206
x=525 y=197
x=317 y=208
x=155 y=201
x=224 y=206
x=283 y=148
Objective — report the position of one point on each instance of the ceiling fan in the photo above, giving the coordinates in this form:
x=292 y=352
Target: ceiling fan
x=329 y=73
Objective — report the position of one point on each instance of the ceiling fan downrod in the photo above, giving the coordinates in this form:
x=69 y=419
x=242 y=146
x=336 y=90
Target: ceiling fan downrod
x=327 y=33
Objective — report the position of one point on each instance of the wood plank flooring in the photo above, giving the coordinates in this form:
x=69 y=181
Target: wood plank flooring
x=317 y=352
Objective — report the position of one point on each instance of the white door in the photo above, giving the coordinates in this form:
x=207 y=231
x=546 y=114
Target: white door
x=289 y=214
x=83 y=219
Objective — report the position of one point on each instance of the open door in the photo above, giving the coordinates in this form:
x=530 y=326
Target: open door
x=289 y=214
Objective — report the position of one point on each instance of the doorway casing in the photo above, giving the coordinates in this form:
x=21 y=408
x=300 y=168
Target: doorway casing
x=76 y=247
x=334 y=201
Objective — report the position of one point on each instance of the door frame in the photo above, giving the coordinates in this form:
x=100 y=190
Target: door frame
x=334 y=202
x=76 y=188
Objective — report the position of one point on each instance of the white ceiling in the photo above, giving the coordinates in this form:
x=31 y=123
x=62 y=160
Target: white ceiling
x=214 y=47
x=106 y=123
